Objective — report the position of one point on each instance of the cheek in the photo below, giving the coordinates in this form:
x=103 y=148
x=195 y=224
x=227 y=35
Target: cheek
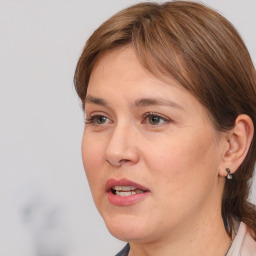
x=183 y=176
x=92 y=161
x=185 y=162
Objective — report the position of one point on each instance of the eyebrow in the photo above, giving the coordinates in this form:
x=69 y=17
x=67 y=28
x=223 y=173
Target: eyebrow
x=157 y=101
x=143 y=102
x=95 y=100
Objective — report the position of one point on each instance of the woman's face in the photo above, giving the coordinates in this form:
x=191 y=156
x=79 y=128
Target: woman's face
x=150 y=153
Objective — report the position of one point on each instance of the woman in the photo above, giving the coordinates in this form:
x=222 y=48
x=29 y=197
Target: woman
x=169 y=93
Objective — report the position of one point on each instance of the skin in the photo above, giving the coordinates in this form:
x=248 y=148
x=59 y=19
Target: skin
x=176 y=153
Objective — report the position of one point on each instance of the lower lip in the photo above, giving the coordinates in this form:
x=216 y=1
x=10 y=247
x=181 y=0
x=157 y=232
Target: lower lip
x=126 y=200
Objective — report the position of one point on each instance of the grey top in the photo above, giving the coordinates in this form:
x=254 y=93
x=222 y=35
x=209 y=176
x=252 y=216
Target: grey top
x=124 y=251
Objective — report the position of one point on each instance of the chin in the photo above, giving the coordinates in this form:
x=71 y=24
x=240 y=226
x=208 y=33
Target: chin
x=126 y=228
x=127 y=235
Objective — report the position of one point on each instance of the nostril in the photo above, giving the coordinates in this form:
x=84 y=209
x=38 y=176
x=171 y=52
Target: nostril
x=123 y=161
x=117 y=155
x=117 y=163
x=114 y=163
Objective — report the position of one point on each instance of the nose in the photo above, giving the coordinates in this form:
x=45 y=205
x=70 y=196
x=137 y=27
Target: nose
x=122 y=147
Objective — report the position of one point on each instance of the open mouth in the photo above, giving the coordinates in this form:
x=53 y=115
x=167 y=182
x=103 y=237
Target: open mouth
x=126 y=190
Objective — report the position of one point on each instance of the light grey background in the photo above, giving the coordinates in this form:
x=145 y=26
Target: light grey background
x=45 y=204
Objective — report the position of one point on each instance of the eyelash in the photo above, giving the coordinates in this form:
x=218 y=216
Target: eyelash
x=152 y=114
x=93 y=119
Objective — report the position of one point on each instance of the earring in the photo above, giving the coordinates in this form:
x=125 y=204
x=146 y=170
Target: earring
x=229 y=176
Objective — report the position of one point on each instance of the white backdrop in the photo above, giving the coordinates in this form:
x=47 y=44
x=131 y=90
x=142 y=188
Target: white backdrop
x=45 y=204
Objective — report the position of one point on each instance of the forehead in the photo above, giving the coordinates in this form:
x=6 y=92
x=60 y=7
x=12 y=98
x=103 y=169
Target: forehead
x=118 y=73
x=121 y=65
x=120 y=70
x=115 y=62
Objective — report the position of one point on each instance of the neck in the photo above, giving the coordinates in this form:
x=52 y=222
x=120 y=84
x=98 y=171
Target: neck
x=206 y=237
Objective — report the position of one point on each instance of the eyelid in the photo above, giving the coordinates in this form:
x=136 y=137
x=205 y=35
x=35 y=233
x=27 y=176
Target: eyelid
x=91 y=114
x=155 y=114
x=164 y=118
x=92 y=117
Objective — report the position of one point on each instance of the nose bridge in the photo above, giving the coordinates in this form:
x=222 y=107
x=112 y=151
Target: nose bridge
x=122 y=145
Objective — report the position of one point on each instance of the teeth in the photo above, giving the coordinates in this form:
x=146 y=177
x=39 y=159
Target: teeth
x=124 y=188
x=128 y=193
x=120 y=193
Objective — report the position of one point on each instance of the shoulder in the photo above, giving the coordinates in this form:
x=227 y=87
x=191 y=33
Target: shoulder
x=243 y=243
x=249 y=245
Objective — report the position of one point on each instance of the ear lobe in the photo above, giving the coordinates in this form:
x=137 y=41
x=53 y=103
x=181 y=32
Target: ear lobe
x=239 y=141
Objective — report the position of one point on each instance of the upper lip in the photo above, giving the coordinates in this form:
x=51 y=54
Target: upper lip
x=123 y=182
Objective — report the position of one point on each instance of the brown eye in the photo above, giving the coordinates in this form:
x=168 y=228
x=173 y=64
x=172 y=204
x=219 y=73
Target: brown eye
x=97 y=120
x=100 y=119
x=155 y=119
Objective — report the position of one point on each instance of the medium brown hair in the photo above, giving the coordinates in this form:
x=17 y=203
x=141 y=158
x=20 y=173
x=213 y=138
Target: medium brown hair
x=201 y=50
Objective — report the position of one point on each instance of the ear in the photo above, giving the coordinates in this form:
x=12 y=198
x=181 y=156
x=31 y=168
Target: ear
x=237 y=141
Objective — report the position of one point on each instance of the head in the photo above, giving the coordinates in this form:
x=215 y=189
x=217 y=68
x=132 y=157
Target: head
x=199 y=54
